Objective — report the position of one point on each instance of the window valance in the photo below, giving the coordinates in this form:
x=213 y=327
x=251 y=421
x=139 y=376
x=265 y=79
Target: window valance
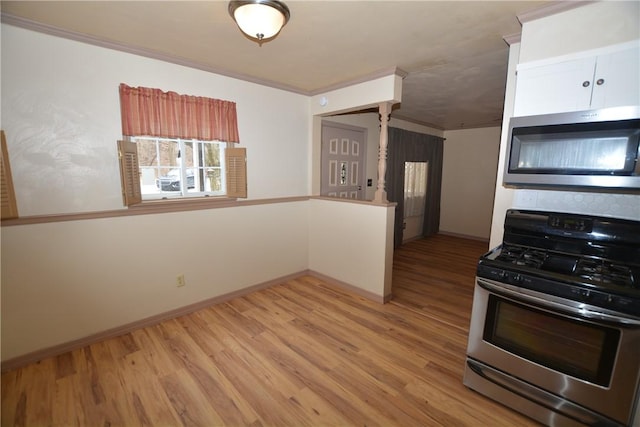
x=152 y=112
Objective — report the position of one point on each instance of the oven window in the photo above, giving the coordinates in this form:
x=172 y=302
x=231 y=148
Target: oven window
x=576 y=348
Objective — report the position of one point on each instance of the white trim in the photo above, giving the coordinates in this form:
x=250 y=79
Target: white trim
x=580 y=55
x=28 y=24
x=152 y=207
x=550 y=9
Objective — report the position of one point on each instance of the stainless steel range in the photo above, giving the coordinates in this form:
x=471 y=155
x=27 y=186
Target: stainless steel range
x=555 y=325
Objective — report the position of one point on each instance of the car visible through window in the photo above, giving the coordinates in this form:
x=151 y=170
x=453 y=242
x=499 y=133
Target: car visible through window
x=172 y=180
x=171 y=168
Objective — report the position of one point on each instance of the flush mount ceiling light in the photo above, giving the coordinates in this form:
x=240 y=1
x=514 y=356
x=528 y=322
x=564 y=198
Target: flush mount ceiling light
x=259 y=19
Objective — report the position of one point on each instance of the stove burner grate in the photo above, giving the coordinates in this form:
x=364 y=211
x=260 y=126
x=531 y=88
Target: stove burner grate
x=522 y=256
x=601 y=271
x=594 y=270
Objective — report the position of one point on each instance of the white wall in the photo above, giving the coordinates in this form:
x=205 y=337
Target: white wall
x=503 y=196
x=587 y=27
x=352 y=242
x=61 y=116
x=64 y=281
x=369 y=94
x=469 y=180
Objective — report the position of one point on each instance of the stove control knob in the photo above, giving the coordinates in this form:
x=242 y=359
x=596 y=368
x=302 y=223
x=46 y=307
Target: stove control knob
x=517 y=278
x=586 y=294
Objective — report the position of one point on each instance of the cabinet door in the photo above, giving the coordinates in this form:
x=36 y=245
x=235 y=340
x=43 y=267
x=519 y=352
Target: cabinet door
x=555 y=88
x=617 y=80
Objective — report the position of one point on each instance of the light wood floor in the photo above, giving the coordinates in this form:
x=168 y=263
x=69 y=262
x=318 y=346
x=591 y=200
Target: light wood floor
x=302 y=353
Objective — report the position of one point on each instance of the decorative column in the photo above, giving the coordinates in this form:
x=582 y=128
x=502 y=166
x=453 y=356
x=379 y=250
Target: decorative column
x=380 y=195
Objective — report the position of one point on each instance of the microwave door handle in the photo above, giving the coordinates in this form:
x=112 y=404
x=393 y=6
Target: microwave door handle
x=523 y=295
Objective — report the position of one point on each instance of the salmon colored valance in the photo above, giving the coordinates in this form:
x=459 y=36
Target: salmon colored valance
x=152 y=112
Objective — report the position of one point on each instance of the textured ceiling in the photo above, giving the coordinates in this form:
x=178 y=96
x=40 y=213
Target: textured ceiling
x=453 y=51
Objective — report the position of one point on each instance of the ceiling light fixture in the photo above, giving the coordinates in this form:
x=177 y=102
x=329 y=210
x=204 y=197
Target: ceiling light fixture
x=259 y=19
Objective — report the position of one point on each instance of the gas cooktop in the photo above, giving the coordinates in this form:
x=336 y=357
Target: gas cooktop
x=588 y=259
x=599 y=272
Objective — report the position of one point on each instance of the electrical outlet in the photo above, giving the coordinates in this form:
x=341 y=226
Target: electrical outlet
x=180 y=280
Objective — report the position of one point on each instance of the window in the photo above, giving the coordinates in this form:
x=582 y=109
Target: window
x=415 y=188
x=157 y=168
x=178 y=146
x=177 y=167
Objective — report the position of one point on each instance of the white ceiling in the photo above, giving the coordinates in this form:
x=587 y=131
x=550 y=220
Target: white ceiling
x=453 y=51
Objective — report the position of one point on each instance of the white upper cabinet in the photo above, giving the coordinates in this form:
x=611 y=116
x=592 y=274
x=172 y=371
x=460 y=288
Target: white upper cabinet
x=602 y=81
x=617 y=80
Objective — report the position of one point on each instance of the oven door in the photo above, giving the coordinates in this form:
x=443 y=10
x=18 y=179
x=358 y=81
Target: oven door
x=565 y=356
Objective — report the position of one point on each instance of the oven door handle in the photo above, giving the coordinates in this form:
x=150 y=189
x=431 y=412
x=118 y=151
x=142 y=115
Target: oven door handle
x=542 y=397
x=581 y=312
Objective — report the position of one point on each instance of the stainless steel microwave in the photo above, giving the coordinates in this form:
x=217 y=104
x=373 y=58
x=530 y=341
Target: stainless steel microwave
x=596 y=148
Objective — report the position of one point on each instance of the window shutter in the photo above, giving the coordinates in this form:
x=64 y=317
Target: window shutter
x=236 y=163
x=129 y=173
x=7 y=193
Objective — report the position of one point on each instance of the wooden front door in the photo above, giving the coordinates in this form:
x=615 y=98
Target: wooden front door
x=343 y=154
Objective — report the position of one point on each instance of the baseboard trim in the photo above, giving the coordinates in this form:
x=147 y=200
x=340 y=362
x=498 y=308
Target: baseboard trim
x=353 y=289
x=56 y=350
x=59 y=349
x=463 y=236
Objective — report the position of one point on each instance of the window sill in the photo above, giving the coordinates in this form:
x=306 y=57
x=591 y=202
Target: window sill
x=182 y=204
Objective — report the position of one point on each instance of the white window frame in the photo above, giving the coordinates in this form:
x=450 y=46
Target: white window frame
x=235 y=160
x=182 y=192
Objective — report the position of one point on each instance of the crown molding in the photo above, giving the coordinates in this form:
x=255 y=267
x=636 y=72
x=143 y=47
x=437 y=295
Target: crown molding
x=416 y=122
x=512 y=38
x=552 y=8
x=51 y=30
x=549 y=9
x=368 y=77
x=148 y=53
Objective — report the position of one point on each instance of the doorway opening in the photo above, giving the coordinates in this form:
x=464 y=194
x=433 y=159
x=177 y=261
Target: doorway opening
x=415 y=196
x=343 y=161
